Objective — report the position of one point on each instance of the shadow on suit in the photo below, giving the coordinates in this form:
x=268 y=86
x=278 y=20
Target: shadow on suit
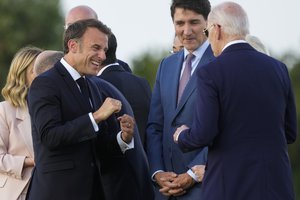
x=137 y=92
x=124 y=176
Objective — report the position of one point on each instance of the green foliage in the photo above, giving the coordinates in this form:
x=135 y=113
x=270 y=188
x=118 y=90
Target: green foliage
x=28 y=22
x=146 y=64
x=294 y=149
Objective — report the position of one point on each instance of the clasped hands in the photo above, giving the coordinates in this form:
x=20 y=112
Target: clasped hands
x=172 y=184
x=127 y=122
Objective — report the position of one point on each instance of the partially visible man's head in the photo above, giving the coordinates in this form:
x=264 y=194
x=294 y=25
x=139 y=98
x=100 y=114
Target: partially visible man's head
x=111 y=52
x=257 y=44
x=177 y=45
x=46 y=60
x=189 y=18
x=79 y=13
x=85 y=44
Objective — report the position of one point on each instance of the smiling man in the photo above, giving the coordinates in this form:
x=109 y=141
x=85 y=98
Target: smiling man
x=69 y=116
x=173 y=101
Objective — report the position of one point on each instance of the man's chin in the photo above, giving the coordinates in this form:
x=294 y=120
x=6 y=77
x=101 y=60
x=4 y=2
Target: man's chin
x=94 y=71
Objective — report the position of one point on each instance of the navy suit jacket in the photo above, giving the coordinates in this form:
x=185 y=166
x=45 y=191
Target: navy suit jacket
x=135 y=89
x=125 y=66
x=64 y=138
x=246 y=114
x=124 y=176
x=165 y=116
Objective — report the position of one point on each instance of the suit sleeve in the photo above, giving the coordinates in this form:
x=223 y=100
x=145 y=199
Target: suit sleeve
x=155 y=129
x=45 y=107
x=10 y=164
x=205 y=124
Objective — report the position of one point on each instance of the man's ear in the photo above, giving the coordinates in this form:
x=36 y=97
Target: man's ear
x=73 y=45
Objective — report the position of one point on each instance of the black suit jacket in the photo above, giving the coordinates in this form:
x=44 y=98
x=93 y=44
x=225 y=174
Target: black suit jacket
x=124 y=176
x=136 y=90
x=125 y=66
x=63 y=138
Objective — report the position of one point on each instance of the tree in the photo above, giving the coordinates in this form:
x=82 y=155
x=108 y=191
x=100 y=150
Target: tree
x=28 y=22
x=147 y=63
x=294 y=149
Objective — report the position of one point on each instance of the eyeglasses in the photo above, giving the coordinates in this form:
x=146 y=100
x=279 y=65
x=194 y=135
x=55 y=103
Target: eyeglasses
x=205 y=31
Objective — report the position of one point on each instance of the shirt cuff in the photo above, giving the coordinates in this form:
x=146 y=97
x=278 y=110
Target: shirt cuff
x=152 y=177
x=95 y=125
x=193 y=175
x=123 y=145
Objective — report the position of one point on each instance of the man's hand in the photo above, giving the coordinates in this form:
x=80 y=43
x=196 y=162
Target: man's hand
x=178 y=131
x=28 y=162
x=127 y=127
x=184 y=181
x=199 y=171
x=164 y=180
x=108 y=107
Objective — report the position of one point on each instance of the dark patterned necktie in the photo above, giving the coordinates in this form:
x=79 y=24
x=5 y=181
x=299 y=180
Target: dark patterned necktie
x=84 y=89
x=185 y=75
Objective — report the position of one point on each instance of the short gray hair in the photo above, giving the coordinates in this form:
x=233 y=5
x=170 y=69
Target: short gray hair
x=46 y=60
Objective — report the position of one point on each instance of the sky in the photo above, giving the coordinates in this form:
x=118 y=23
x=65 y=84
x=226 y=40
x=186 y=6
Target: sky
x=146 y=25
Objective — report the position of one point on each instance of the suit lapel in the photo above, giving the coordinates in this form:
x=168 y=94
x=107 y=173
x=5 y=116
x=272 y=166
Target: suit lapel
x=73 y=88
x=23 y=116
x=95 y=94
x=174 y=83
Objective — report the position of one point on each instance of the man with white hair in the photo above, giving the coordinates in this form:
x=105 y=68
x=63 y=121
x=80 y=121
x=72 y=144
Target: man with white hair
x=245 y=114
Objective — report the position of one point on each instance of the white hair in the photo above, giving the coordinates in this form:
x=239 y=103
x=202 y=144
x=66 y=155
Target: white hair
x=231 y=17
x=256 y=43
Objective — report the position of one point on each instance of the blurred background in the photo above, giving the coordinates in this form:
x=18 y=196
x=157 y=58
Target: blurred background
x=145 y=32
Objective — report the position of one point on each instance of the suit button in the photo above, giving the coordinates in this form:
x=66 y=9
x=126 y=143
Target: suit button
x=92 y=164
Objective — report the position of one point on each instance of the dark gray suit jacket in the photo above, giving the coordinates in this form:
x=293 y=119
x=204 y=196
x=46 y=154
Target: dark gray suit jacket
x=124 y=176
x=135 y=89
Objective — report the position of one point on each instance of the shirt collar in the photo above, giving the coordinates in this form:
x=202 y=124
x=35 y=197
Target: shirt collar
x=102 y=69
x=75 y=75
x=233 y=42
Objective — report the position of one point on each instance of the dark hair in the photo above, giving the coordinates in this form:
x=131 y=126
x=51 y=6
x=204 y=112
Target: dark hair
x=111 y=52
x=77 y=30
x=201 y=7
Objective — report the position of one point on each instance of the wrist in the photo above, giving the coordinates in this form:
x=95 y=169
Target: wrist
x=124 y=138
x=97 y=117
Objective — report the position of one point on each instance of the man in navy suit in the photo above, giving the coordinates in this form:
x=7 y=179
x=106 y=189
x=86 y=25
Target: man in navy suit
x=170 y=168
x=124 y=176
x=66 y=123
x=129 y=175
x=135 y=89
x=245 y=114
